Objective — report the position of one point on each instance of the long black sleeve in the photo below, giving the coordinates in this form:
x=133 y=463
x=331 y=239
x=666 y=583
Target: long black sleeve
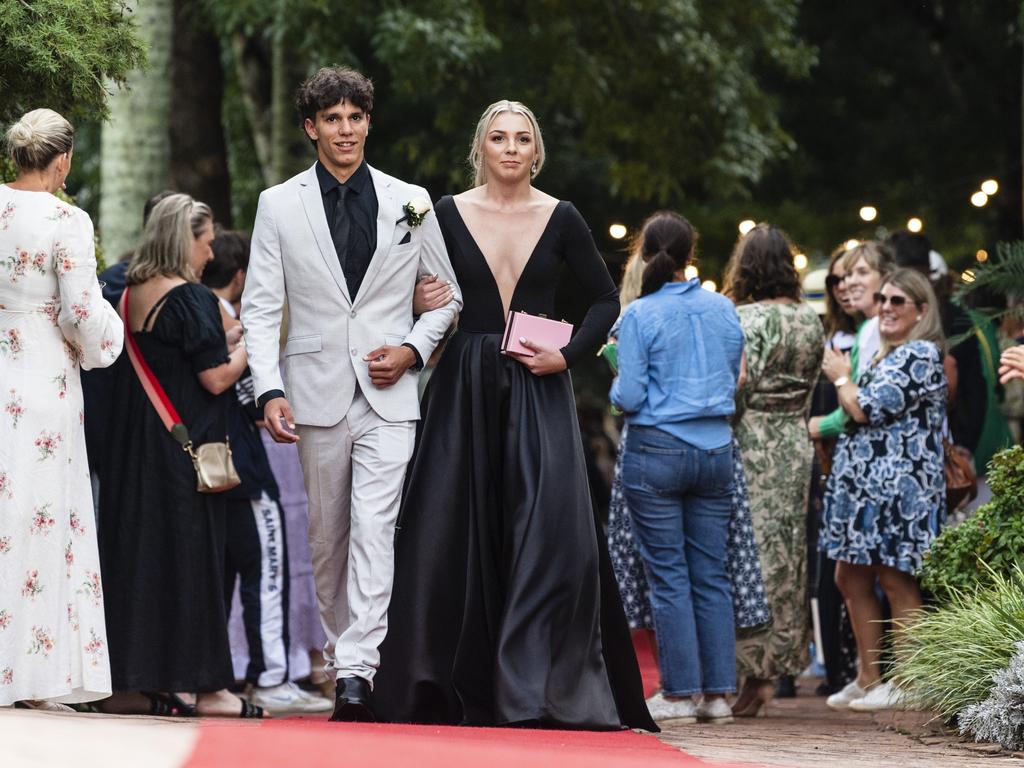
x=590 y=271
x=967 y=419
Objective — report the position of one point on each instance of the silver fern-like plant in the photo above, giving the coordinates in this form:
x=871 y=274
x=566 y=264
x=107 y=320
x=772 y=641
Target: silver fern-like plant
x=1000 y=717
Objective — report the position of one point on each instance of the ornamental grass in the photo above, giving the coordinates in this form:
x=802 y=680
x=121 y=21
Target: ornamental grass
x=949 y=654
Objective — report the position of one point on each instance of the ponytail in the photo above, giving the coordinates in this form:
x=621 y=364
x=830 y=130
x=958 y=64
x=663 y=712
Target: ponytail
x=659 y=270
x=666 y=244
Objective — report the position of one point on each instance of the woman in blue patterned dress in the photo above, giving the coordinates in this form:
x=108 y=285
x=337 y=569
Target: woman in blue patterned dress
x=886 y=496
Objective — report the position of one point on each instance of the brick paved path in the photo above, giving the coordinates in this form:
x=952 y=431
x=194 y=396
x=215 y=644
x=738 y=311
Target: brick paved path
x=804 y=733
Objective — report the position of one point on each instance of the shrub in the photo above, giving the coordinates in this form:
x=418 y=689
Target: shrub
x=948 y=655
x=994 y=535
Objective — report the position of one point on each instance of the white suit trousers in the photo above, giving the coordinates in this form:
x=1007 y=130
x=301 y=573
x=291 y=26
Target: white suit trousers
x=354 y=473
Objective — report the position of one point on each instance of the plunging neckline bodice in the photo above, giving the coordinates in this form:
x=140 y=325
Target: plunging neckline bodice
x=564 y=249
x=487 y=264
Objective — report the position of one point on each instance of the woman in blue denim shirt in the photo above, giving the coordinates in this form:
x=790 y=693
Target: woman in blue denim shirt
x=680 y=352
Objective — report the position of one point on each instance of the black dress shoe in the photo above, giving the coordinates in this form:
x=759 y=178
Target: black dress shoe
x=352 y=701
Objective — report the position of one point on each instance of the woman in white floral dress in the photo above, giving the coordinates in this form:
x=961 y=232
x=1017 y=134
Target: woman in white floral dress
x=53 y=322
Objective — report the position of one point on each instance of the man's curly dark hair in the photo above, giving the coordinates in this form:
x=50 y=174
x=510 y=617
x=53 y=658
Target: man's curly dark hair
x=329 y=86
x=761 y=267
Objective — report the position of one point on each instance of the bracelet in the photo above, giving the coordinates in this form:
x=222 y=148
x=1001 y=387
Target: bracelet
x=840 y=381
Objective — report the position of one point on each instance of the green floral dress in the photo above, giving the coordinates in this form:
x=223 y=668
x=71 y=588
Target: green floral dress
x=784 y=347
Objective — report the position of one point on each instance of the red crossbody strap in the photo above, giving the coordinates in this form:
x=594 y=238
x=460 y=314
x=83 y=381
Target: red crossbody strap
x=164 y=408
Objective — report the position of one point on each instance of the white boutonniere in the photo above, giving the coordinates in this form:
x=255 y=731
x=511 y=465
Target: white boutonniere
x=415 y=211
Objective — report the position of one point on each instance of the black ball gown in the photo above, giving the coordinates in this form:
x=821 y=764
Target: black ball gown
x=505 y=609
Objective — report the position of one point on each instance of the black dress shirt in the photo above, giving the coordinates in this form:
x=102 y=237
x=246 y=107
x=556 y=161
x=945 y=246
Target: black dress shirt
x=361 y=204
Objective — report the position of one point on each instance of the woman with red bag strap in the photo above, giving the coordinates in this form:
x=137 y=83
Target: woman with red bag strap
x=161 y=540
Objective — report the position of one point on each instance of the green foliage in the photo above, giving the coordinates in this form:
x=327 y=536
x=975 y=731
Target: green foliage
x=648 y=102
x=651 y=100
x=61 y=53
x=1002 y=274
x=948 y=655
x=994 y=535
x=862 y=136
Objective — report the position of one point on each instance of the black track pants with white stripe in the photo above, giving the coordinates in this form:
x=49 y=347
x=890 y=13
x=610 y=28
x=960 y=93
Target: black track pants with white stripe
x=257 y=553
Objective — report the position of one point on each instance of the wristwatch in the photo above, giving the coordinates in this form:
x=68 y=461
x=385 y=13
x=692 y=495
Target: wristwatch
x=840 y=381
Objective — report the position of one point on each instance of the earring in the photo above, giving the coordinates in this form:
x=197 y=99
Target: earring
x=533 y=168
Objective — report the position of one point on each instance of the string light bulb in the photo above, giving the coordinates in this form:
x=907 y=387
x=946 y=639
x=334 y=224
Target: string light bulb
x=746 y=225
x=800 y=262
x=979 y=199
x=690 y=272
x=852 y=243
x=868 y=213
x=981 y=255
x=915 y=224
x=990 y=187
x=709 y=285
x=617 y=231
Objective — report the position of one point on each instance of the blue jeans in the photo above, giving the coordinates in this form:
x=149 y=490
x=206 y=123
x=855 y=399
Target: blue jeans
x=680 y=503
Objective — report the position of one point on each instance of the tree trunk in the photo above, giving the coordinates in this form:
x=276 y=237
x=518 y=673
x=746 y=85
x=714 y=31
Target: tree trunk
x=251 y=67
x=198 y=153
x=289 y=145
x=135 y=147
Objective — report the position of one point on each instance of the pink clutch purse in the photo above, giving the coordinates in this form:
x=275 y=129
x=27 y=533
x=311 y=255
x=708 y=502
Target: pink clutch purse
x=534 y=328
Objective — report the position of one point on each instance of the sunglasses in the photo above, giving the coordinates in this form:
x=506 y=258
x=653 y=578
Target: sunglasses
x=896 y=301
x=831 y=281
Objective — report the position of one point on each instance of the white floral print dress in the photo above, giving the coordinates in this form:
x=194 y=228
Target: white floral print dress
x=53 y=321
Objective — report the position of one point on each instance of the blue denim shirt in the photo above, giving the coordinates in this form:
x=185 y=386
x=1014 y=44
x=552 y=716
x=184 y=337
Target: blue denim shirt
x=679 y=359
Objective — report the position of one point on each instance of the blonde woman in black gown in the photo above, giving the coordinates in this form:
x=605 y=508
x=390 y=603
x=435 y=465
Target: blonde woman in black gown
x=505 y=610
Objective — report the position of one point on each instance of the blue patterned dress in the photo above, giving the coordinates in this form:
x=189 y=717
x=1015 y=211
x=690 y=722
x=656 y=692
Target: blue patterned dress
x=886 y=497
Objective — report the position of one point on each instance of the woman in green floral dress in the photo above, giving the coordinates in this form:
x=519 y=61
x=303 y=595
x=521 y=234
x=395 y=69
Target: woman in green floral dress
x=784 y=347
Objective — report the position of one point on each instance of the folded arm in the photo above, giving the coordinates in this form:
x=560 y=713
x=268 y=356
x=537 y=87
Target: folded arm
x=430 y=327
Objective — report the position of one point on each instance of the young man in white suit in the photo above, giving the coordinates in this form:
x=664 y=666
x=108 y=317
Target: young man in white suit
x=343 y=245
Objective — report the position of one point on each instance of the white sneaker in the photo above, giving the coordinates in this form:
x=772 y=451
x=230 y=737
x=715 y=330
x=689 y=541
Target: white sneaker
x=288 y=697
x=842 y=699
x=714 y=711
x=883 y=696
x=682 y=711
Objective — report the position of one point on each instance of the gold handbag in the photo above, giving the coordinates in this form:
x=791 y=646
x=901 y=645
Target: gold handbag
x=215 y=471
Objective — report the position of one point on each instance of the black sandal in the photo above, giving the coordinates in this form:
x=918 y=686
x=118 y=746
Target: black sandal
x=250 y=711
x=168 y=705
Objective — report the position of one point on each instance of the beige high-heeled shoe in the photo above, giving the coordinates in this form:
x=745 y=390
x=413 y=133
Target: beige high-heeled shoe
x=753 y=698
x=41 y=705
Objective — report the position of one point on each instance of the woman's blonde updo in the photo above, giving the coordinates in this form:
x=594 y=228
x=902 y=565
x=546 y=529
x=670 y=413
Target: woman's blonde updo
x=476 y=151
x=37 y=138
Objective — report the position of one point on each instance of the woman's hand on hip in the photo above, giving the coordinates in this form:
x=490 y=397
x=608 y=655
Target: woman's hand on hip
x=545 y=360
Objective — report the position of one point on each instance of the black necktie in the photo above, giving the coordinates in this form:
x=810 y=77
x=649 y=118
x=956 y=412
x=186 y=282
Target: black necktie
x=340 y=225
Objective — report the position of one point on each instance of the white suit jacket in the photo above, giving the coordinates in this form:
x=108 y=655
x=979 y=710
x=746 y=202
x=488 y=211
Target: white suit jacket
x=293 y=257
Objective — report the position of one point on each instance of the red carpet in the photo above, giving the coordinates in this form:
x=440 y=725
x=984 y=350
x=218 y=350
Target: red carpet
x=645 y=658
x=307 y=743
